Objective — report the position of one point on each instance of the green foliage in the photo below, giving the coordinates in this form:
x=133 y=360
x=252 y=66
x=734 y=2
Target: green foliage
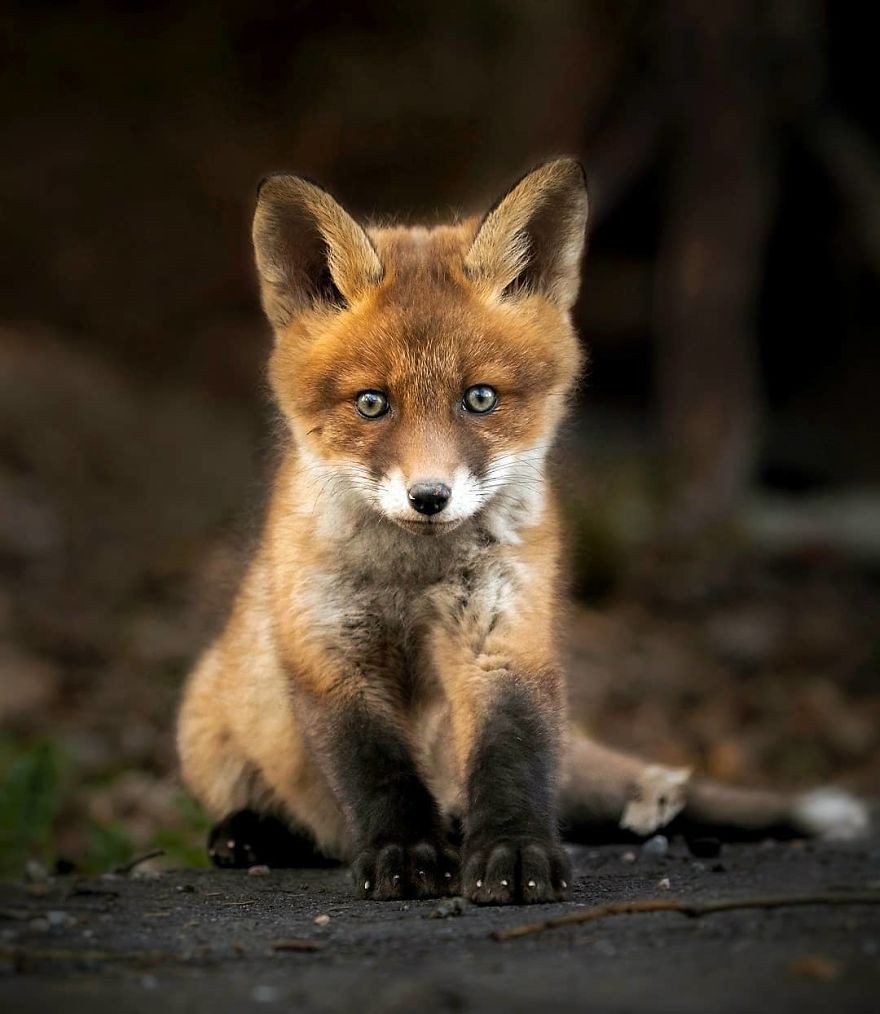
x=41 y=787
x=109 y=847
x=184 y=843
x=31 y=793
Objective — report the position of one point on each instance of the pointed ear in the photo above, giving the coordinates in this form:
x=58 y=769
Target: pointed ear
x=308 y=249
x=533 y=238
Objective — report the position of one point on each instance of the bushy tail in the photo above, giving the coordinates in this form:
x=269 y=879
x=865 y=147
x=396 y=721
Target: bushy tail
x=607 y=795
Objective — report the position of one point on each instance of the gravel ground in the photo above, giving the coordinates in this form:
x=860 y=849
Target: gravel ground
x=207 y=940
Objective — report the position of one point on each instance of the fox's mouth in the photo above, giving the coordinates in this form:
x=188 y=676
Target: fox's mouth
x=428 y=526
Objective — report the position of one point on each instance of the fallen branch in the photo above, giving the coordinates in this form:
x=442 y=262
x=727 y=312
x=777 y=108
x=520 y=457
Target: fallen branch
x=693 y=909
x=128 y=867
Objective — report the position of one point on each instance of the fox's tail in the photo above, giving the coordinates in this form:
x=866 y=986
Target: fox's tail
x=607 y=795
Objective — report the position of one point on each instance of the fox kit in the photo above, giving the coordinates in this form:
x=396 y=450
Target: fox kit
x=392 y=663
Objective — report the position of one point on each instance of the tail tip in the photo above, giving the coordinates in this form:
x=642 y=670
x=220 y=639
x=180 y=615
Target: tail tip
x=831 y=814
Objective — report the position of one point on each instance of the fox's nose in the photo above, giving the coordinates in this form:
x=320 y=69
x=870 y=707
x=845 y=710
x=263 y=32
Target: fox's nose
x=428 y=497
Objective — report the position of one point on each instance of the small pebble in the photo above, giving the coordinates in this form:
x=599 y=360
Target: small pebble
x=57 y=919
x=264 y=994
x=35 y=872
x=655 y=848
x=145 y=873
x=149 y=982
x=322 y=920
x=449 y=908
x=705 y=848
x=664 y=884
x=628 y=857
x=185 y=889
x=260 y=870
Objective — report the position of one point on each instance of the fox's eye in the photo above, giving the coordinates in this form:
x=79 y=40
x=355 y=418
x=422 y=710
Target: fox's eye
x=371 y=404
x=480 y=398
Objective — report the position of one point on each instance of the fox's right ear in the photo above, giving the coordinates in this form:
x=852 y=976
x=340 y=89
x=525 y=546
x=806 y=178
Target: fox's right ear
x=533 y=238
x=308 y=249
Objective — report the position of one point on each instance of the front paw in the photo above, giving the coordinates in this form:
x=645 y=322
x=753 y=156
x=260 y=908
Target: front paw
x=392 y=871
x=510 y=871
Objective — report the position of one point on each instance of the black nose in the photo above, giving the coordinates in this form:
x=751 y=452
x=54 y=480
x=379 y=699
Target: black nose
x=429 y=497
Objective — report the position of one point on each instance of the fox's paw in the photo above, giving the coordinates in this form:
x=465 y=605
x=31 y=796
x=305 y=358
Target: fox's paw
x=233 y=843
x=392 y=871
x=246 y=838
x=516 y=871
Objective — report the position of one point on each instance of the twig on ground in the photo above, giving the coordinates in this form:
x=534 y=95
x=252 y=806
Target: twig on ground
x=128 y=867
x=296 y=945
x=694 y=909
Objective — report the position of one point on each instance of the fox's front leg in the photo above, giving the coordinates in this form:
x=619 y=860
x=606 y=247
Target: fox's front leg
x=512 y=850
x=506 y=701
x=400 y=848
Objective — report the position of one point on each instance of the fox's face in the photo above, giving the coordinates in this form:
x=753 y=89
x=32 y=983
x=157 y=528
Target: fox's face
x=424 y=372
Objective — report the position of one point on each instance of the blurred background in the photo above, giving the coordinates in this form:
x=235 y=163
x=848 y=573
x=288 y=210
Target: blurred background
x=720 y=470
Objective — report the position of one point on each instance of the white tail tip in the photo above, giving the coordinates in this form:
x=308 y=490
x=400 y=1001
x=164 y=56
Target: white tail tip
x=832 y=814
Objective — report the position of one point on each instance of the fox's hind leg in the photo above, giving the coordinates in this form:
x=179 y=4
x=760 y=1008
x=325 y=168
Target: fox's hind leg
x=253 y=827
x=607 y=795
x=247 y=838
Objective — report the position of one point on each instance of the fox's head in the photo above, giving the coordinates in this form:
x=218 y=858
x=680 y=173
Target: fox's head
x=425 y=371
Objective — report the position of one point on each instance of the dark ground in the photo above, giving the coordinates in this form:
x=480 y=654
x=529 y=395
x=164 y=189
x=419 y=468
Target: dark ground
x=203 y=940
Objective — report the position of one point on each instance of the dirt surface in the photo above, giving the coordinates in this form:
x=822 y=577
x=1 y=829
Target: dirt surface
x=204 y=940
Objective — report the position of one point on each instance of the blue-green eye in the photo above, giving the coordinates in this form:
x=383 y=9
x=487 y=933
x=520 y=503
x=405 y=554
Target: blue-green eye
x=480 y=399
x=371 y=404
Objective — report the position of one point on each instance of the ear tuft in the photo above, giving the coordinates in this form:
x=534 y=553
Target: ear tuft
x=309 y=250
x=532 y=239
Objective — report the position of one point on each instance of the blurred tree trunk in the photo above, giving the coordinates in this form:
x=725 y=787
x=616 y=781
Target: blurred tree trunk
x=722 y=179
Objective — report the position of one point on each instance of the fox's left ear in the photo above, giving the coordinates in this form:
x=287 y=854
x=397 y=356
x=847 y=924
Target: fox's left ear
x=310 y=252
x=533 y=238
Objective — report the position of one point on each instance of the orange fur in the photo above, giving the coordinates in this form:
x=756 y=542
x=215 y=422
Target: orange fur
x=433 y=638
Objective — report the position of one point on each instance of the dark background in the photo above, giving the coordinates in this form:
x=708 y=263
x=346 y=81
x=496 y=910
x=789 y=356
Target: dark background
x=720 y=470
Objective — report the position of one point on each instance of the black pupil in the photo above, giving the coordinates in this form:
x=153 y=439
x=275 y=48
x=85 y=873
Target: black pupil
x=371 y=403
x=481 y=398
